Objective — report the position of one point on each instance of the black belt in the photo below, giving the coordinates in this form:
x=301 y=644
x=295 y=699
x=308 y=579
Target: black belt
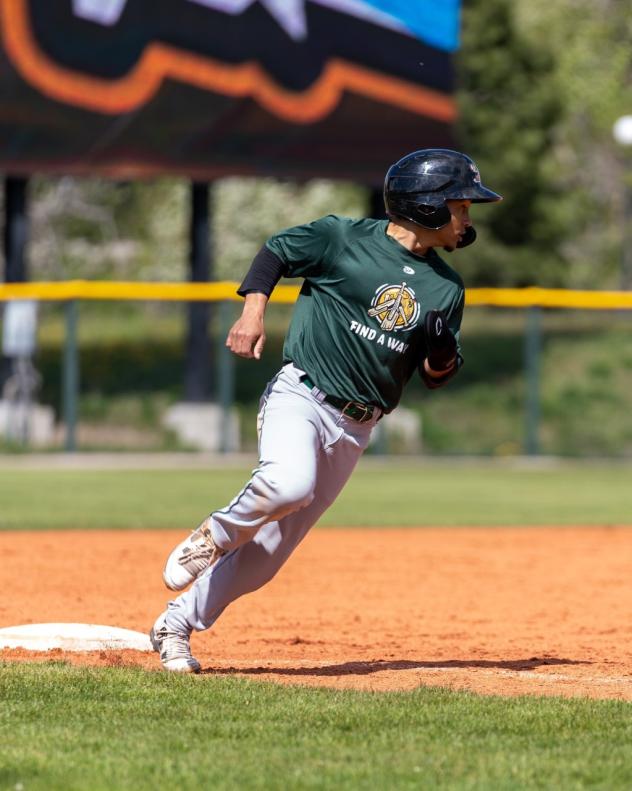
x=353 y=409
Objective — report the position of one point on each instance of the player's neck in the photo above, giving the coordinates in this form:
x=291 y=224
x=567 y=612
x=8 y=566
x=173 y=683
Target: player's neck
x=414 y=238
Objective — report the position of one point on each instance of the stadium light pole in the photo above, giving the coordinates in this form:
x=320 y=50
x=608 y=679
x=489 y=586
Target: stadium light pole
x=622 y=133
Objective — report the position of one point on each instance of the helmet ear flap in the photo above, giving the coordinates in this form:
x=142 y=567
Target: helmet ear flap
x=431 y=217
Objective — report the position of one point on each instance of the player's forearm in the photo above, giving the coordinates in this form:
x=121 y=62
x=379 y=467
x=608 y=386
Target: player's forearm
x=434 y=379
x=247 y=335
x=434 y=374
x=255 y=305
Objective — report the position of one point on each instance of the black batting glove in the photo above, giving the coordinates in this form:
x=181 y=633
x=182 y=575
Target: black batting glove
x=440 y=342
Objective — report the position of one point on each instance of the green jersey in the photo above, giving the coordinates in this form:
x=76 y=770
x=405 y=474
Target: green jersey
x=357 y=328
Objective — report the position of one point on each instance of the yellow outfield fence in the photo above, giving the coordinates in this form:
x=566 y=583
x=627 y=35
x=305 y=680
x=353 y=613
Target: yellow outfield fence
x=226 y=290
x=111 y=290
x=71 y=292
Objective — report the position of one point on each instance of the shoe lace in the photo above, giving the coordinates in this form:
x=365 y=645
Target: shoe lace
x=174 y=645
x=196 y=557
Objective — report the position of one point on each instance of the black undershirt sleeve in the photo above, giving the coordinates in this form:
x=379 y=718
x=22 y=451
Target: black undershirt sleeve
x=265 y=272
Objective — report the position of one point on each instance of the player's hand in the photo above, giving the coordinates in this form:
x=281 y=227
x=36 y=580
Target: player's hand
x=247 y=335
x=440 y=342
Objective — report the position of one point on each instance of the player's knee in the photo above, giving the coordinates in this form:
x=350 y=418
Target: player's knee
x=295 y=493
x=289 y=490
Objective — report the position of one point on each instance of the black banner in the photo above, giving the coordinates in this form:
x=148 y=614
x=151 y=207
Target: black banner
x=205 y=88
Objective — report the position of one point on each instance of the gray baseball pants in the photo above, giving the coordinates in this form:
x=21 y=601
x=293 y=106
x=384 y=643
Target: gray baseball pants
x=307 y=451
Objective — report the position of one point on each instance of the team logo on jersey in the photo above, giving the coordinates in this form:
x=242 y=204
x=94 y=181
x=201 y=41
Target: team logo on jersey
x=408 y=270
x=395 y=307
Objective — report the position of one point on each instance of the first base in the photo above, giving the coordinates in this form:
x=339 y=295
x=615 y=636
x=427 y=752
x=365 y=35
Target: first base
x=72 y=637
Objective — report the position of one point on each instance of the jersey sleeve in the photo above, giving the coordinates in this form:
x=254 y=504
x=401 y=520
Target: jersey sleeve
x=308 y=250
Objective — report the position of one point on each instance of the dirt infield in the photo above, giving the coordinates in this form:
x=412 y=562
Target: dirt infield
x=511 y=611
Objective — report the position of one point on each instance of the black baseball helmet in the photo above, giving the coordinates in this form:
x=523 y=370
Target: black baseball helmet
x=418 y=186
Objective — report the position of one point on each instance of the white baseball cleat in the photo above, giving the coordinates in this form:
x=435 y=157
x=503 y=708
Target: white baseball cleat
x=191 y=557
x=173 y=647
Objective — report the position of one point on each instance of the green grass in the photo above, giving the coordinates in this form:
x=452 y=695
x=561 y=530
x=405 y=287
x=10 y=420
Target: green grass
x=115 y=728
x=74 y=728
x=395 y=492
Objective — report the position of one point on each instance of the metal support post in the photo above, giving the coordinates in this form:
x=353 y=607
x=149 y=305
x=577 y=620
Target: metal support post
x=532 y=350
x=14 y=242
x=70 y=379
x=198 y=349
x=376 y=203
x=16 y=228
x=225 y=373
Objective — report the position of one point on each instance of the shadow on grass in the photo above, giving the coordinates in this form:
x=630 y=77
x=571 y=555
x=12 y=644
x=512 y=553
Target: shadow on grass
x=377 y=666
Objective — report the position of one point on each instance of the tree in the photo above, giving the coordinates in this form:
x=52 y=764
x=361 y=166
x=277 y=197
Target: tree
x=510 y=104
x=590 y=40
x=540 y=85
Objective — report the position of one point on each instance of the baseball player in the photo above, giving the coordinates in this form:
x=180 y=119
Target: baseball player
x=377 y=304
